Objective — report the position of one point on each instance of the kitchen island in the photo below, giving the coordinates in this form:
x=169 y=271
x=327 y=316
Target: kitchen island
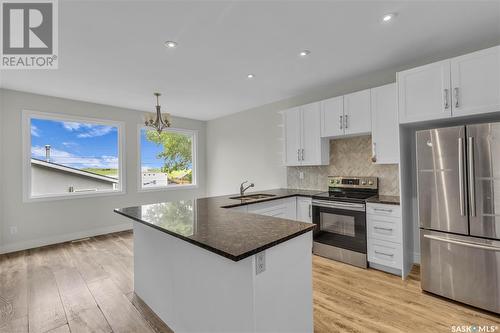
x=204 y=267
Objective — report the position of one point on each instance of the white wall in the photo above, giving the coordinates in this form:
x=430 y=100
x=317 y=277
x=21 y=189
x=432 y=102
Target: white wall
x=40 y=223
x=249 y=145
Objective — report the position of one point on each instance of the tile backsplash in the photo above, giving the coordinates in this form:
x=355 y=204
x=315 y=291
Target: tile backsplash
x=348 y=157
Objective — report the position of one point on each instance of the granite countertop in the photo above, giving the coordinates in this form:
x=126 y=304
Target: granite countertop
x=207 y=223
x=385 y=199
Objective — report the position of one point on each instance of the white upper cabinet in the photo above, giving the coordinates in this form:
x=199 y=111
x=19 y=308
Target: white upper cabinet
x=332 y=117
x=385 y=127
x=461 y=86
x=303 y=142
x=357 y=114
x=311 y=138
x=424 y=93
x=293 y=126
x=475 y=82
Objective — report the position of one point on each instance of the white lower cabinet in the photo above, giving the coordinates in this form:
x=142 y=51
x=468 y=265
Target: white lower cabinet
x=384 y=237
x=304 y=209
x=284 y=208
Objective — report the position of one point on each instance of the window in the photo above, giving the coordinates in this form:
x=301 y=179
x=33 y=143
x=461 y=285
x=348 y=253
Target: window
x=68 y=157
x=167 y=159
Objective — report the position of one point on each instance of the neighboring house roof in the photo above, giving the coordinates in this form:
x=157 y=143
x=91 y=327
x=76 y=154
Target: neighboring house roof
x=65 y=168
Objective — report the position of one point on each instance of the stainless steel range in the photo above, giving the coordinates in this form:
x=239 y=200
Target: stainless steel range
x=340 y=218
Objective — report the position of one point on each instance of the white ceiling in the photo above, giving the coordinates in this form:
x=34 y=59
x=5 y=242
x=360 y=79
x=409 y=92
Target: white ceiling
x=112 y=52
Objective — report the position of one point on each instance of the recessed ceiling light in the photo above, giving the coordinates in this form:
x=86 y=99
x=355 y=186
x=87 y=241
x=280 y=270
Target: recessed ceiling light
x=250 y=76
x=388 y=17
x=170 y=44
x=304 y=53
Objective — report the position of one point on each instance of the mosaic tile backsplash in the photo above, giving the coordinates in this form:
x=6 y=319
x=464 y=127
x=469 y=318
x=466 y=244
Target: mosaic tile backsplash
x=348 y=157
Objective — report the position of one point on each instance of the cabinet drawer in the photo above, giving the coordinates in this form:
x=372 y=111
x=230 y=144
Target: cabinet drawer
x=384 y=253
x=384 y=228
x=383 y=210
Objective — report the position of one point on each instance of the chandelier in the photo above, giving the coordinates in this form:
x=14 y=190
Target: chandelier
x=157 y=121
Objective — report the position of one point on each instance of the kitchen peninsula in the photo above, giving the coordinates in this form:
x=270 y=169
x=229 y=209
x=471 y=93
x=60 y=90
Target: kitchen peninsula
x=203 y=265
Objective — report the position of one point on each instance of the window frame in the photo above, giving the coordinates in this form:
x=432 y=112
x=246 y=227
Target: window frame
x=194 y=149
x=28 y=115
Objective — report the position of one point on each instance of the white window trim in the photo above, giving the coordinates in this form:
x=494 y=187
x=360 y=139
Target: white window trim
x=194 y=148
x=27 y=115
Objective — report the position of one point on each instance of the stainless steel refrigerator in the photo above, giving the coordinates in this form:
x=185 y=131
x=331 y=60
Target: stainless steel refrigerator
x=458 y=179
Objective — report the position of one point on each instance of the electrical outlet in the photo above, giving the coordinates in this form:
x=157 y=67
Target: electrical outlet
x=301 y=174
x=260 y=262
x=13 y=230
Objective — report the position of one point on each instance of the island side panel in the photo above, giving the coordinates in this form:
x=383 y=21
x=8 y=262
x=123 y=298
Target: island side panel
x=283 y=292
x=190 y=288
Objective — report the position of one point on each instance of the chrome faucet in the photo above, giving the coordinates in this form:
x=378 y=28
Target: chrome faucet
x=243 y=188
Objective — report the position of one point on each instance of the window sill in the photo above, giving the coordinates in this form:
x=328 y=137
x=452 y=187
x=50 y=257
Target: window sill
x=168 y=188
x=58 y=197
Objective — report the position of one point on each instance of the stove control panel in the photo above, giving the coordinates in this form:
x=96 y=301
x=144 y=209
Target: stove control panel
x=353 y=182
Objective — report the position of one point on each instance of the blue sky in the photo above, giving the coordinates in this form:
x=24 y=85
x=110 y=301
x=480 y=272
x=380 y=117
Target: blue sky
x=82 y=145
x=79 y=145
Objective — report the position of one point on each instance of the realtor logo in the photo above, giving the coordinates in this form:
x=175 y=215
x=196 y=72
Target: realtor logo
x=29 y=34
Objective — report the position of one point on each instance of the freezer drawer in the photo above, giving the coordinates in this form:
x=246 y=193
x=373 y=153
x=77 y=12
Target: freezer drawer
x=465 y=269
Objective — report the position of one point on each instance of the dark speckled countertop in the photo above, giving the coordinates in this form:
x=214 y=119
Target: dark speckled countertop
x=207 y=223
x=385 y=199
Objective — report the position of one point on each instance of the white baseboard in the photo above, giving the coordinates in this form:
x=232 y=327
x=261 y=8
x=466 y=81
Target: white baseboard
x=416 y=257
x=63 y=238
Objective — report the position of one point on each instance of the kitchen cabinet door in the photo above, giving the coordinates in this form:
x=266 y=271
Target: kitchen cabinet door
x=293 y=128
x=385 y=125
x=475 y=82
x=310 y=153
x=357 y=115
x=304 y=209
x=332 y=114
x=424 y=93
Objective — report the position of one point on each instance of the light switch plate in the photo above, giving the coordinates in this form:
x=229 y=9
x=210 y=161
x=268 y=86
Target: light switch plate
x=260 y=262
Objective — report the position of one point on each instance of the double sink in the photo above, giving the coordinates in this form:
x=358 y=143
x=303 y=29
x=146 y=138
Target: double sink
x=253 y=197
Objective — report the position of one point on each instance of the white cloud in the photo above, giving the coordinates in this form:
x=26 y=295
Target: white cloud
x=35 y=131
x=72 y=126
x=70 y=144
x=80 y=162
x=87 y=130
x=96 y=131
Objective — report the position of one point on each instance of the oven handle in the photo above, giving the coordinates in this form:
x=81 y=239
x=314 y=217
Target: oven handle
x=340 y=205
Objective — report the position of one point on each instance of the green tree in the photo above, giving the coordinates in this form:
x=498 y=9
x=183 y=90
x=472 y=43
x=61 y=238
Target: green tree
x=176 y=152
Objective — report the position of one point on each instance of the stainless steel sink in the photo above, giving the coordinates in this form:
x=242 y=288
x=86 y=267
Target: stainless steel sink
x=250 y=197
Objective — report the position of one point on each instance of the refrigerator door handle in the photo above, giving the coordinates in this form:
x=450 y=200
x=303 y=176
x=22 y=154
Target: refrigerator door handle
x=472 y=188
x=461 y=177
x=459 y=242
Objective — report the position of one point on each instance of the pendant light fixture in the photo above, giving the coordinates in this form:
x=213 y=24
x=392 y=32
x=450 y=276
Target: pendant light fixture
x=157 y=121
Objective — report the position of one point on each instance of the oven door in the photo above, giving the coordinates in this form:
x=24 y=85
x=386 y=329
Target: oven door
x=340 y=224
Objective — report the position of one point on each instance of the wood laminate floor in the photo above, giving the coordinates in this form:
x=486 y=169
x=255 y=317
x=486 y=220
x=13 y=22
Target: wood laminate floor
x=87 y=286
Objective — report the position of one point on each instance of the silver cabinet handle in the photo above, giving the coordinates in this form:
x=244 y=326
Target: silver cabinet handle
x=457 y=104
x=341 y=121
x=383 y=210
x=461 y=175
x=472 y=188
x=346 y=124
x=310 y=210
x=446 y=98
x=463 y=243
x=385 y=254
x=302 y=154
x=298 y=154
x=381 y=228
x=374 y=152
